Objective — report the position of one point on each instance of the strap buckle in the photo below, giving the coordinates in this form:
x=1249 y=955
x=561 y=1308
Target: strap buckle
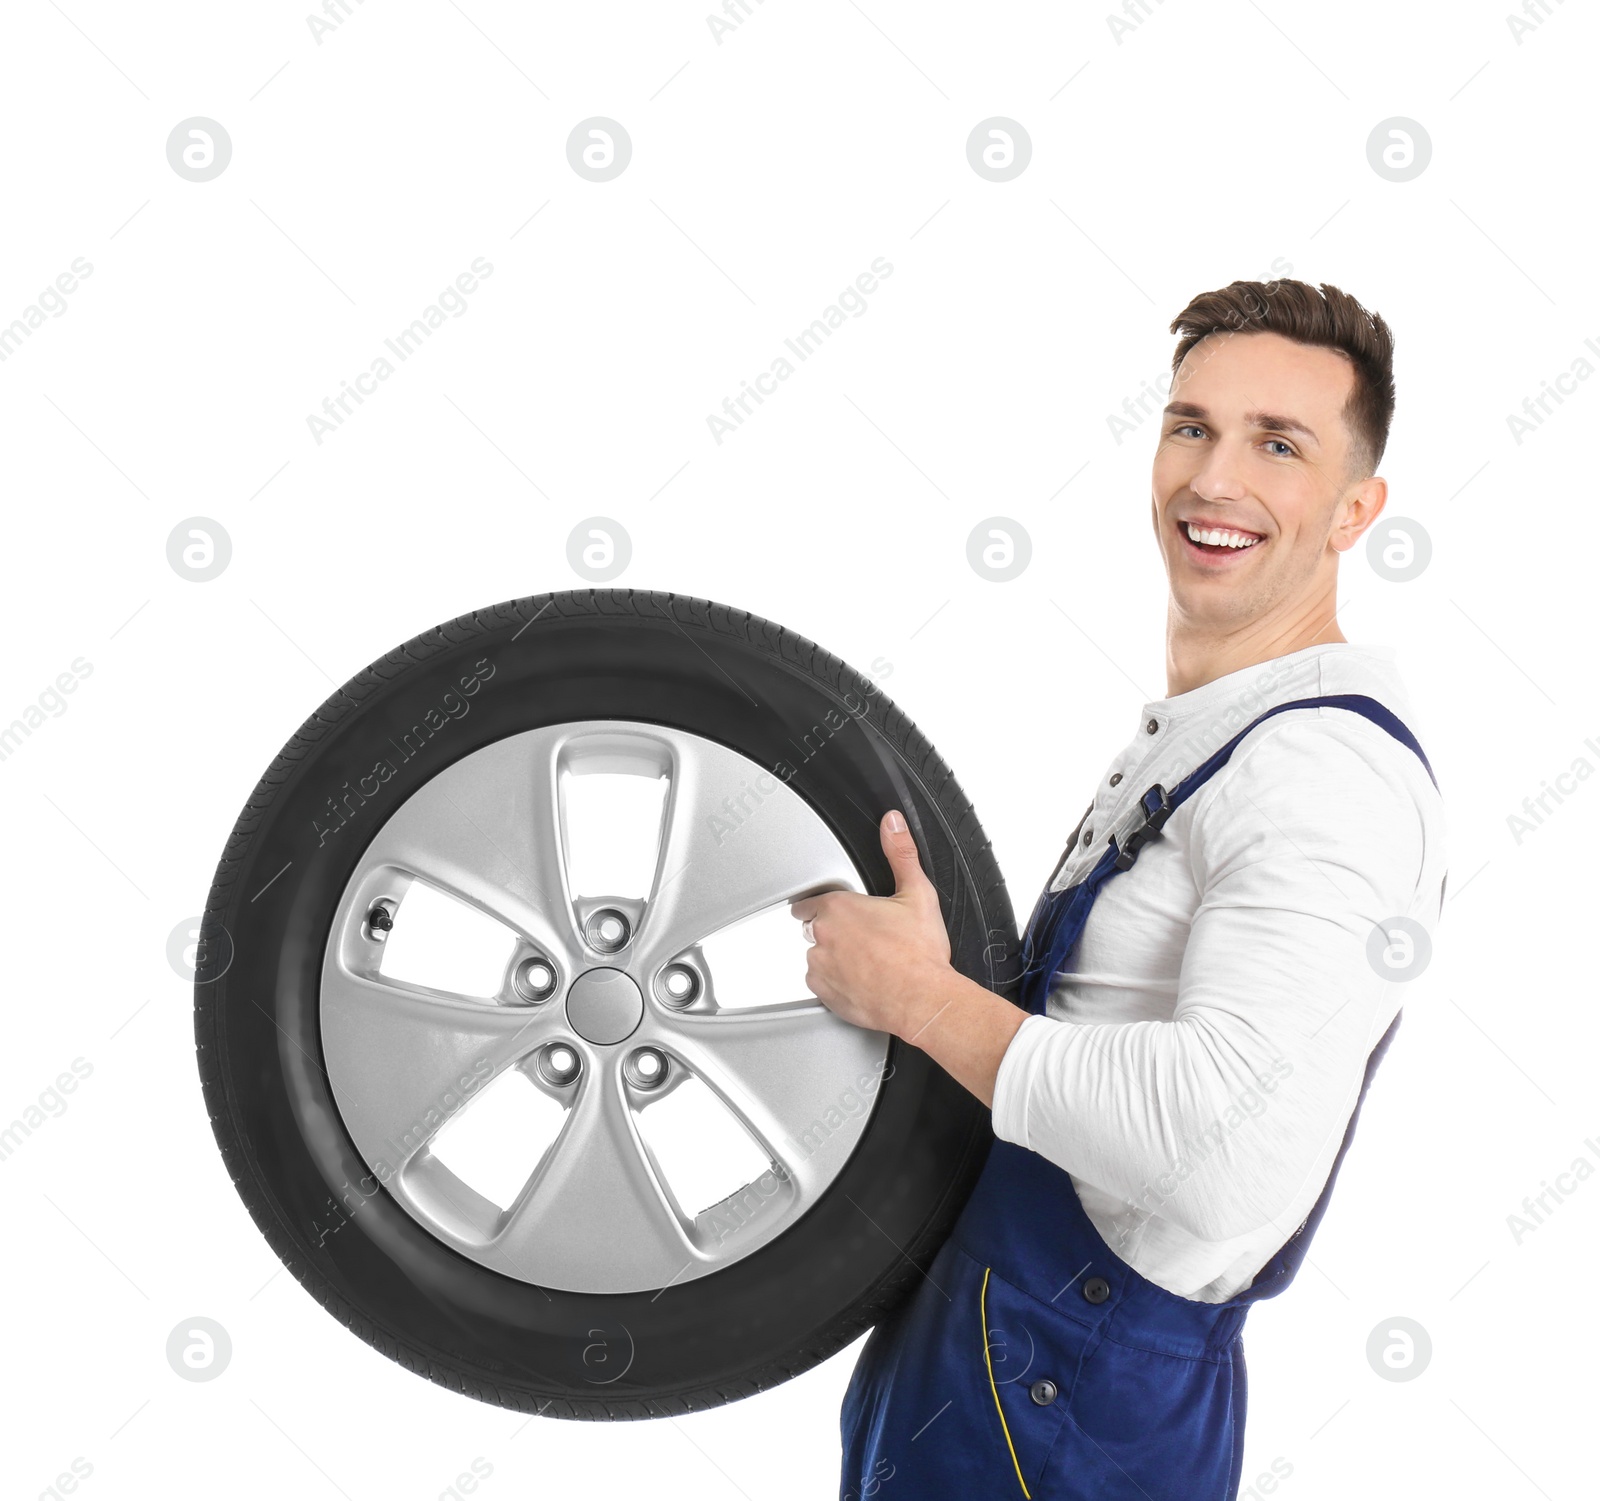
x=1157 y=805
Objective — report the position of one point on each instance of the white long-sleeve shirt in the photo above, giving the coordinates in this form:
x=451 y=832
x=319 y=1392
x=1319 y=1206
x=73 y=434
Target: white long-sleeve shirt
x=1204 y=1046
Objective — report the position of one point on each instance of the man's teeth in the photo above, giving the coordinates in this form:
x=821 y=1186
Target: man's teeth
x=1220 y=538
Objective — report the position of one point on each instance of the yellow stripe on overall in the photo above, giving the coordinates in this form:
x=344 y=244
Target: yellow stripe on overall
x=983 y=1318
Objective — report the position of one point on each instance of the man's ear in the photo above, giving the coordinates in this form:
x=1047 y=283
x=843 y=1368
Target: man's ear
x=1357 y=510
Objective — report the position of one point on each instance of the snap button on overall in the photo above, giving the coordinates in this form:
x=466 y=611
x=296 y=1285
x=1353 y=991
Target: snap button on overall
x=1043 y=1391
x=1097 y=1289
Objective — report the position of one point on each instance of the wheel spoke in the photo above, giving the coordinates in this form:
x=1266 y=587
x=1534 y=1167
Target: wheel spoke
x=736 y=841
x=488 y=830
x=595 y=1209
x=800 y=1079
x=403 y=1061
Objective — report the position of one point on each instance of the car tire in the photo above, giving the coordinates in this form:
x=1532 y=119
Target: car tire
x=685 y=666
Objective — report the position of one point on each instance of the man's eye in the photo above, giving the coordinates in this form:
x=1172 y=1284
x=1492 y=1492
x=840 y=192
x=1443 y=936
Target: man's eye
x=1187 y=427
x=1288 y=447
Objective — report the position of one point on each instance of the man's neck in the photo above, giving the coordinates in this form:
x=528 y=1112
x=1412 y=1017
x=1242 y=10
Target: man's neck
x=1196 y=657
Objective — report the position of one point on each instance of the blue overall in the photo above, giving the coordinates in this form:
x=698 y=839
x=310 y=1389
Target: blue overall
x=1031 y=1361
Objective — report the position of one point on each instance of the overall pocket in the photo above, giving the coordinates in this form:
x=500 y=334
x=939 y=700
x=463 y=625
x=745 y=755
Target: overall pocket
x=1032 y=1354
x=1150 y=1425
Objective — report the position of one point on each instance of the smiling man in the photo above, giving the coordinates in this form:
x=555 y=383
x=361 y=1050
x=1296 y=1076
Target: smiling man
x=1209 y=978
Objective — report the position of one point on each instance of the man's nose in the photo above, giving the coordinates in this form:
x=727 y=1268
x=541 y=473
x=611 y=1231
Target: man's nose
x=1220 y=473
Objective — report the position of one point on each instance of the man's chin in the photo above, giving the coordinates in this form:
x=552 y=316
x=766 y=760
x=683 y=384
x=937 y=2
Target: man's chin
x=1209 y=604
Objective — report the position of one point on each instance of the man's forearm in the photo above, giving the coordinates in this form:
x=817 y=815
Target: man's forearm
x=964 y=1028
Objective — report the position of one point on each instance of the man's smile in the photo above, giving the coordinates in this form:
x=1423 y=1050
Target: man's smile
x=1214 y=545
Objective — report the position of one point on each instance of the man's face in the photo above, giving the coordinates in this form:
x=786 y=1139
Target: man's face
x=1253 y=442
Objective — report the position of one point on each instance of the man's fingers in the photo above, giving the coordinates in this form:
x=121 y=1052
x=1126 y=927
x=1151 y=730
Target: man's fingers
x=812 y=906
x=901 y=850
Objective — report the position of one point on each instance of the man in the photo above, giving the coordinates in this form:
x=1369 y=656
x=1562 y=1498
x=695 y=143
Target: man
x=1205 y=984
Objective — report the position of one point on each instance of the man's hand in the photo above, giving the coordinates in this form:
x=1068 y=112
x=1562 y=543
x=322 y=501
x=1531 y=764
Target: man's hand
x=880 y=961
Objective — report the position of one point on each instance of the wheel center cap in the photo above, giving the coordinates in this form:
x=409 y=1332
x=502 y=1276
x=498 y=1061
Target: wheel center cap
x=604 y=1005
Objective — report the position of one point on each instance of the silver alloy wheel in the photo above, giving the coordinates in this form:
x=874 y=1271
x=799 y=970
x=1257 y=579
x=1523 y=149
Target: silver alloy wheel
x=620 y=1026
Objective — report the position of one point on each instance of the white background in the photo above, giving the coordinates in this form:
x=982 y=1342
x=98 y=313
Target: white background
x=768 y=171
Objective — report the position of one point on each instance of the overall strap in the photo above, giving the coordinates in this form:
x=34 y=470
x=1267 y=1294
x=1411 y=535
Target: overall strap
x=1159 y=805
x=1058 y=917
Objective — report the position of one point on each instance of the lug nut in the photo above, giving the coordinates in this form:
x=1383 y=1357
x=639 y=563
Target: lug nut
x=536 y=979
x=646 y=1068
x=606 y=930
x=679 y=985
x=559 y=1063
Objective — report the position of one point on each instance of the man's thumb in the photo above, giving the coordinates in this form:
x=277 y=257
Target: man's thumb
x=901 y=849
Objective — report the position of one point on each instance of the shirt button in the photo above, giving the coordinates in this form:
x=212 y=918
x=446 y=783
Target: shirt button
x=1043 y=1391
x=1116 y=777
x=1097 y=1289
x=1088 y=834
x=1151 y=728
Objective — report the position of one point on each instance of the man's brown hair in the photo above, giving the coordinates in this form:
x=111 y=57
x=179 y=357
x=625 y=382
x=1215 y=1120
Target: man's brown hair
x=1326 y=317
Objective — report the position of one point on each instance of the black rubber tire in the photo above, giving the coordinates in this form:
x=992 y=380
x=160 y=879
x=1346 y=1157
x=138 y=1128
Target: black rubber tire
x=609 y=653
